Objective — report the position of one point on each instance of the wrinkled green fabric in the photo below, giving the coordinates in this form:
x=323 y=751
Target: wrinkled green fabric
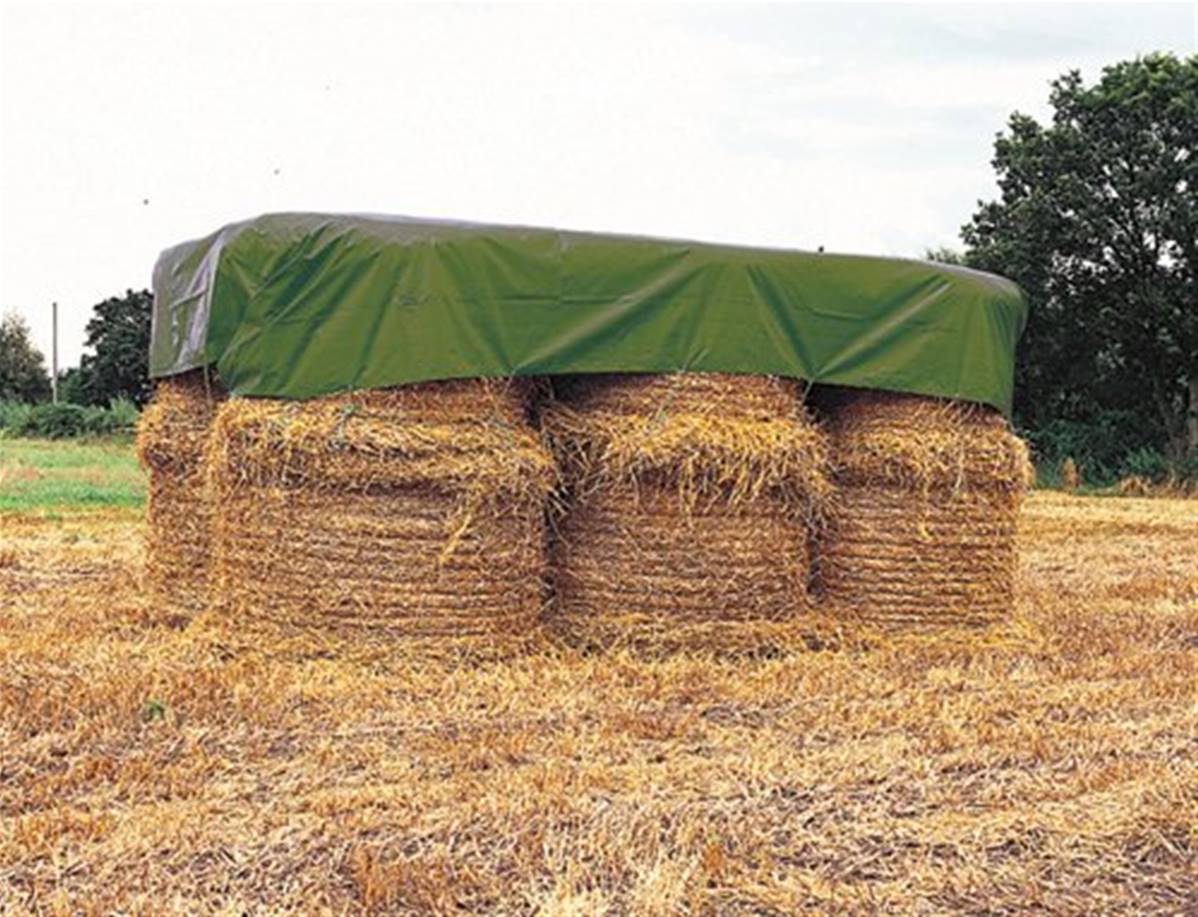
x=298 y=305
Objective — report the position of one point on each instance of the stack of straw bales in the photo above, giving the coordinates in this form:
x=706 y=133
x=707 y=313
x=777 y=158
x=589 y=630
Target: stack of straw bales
x=414 y=512
x=689 y=497
x=928 y=493
x=170 y=444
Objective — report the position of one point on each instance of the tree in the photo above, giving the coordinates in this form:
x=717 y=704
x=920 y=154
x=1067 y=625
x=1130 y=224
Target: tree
x=1098 y=223
x=944 y=255
x=70 y=386
x=118 y=337
x=23 y=375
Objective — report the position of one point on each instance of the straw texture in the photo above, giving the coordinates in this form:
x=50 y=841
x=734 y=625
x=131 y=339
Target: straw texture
x=687 y=508
x=698 y=394
x=171 y=438
x=923 y=528
x=412 y=513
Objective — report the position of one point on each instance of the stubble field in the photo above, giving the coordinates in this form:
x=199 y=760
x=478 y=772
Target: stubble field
x=1049 y=765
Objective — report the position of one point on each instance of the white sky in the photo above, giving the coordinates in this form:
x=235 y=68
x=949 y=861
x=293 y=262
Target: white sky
x=128 y=128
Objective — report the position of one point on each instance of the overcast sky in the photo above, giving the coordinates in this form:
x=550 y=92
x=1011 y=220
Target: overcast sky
x=128 y=128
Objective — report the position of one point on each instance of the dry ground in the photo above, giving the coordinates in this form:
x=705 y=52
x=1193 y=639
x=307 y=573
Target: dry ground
x=1048 y=767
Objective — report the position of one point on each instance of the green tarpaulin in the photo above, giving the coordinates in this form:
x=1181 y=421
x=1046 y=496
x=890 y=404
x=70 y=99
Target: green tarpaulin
x=296 y=305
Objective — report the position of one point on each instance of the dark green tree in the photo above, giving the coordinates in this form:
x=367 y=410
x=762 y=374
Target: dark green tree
x=116 y=362
x=944 y=255
x=1098 y=223
x=70 y=386
x=23 y=375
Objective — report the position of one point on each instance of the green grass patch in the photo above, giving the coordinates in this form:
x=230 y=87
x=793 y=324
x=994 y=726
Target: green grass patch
x=41 y=473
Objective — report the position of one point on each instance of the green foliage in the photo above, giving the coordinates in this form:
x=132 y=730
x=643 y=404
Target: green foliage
x=1186 y=469
x=13 y=416
x=118 y=340
x=55 y=421
x=23 y=375
x=1048 y=476
x=944 y=255
x=1145 y=463
x=1099 y=443
x=122 y=415
x=1098 y=223
x=58 y=421
x=70 y=385
x=1107 y=447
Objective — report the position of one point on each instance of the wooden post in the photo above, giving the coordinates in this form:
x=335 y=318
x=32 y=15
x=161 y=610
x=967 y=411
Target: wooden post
x=54 y=354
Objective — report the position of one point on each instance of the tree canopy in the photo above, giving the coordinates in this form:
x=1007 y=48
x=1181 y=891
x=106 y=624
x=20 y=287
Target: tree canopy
x=118 y=341
x=1098 y=222
x=23 y=375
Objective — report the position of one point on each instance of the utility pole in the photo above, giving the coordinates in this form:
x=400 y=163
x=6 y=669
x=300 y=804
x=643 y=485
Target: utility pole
x=54 y=353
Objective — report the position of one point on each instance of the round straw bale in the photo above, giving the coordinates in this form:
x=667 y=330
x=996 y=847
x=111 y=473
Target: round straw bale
x=171 y=437
x=687 y=508
x=923 y=525
x=379 y=516
x=743 y=397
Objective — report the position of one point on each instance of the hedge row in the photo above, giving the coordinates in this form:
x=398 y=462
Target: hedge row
x=58 y=421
